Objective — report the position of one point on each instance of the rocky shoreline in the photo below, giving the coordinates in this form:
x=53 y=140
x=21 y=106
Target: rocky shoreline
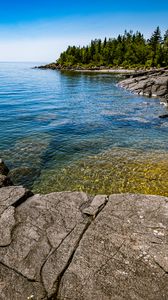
x=152 y=84
x=70 y=245
x=54 y=66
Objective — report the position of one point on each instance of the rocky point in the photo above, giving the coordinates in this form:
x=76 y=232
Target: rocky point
x=150 y=83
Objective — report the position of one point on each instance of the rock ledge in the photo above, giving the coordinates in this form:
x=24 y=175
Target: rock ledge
x=69 y=245
x=151 y=84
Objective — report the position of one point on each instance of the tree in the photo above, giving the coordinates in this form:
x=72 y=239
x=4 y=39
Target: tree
x=155 y=42
x=105 y=42
x=165 y=48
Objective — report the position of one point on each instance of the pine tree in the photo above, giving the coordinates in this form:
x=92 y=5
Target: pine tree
x=155 y=42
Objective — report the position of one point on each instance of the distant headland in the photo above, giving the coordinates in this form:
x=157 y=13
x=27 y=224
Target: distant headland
x=127 y=51
x=130 y=55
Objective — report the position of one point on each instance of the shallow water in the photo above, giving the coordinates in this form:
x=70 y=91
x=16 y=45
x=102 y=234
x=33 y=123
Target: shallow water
x=115 y=171
x=74 y=131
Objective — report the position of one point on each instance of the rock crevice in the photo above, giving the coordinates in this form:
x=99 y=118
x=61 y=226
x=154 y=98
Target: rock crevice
x=92 y=211
x=69 y=245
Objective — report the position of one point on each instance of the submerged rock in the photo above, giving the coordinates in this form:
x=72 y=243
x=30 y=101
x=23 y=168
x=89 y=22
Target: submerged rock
x=163 y=116
x=4 y=179
x=3 y=168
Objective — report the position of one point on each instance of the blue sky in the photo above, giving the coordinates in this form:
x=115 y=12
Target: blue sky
x=40 y=30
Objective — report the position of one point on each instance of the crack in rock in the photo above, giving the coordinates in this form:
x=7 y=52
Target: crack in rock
x=100 y=206
x=7 y=221
x=17 y=272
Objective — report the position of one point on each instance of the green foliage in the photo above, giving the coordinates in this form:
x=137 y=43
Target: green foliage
x=130 y=50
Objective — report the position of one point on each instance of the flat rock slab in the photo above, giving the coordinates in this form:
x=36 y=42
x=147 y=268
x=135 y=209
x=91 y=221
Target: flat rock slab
x=123 y=254
x=39 y=235
x=7 y=222
x=71 y=246
x=12 y=195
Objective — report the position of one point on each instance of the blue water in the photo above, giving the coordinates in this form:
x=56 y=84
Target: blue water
x=55 y=118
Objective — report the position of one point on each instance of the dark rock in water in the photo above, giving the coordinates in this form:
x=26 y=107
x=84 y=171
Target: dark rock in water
x=3 y=168
x=5 y=181
x=22 y=175
x=163 y=116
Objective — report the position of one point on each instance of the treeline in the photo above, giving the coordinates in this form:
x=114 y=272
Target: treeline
x=130 y=50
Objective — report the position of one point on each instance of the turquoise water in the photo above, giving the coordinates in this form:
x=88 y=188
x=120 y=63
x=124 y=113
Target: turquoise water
x=50 y=120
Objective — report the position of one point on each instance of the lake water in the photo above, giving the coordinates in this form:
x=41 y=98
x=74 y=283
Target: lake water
x=79 y=131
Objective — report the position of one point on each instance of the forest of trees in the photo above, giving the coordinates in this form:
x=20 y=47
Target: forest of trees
x=130 y=50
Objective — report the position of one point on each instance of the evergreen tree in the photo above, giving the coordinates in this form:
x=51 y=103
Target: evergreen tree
x=155 y=42
x=165 y=48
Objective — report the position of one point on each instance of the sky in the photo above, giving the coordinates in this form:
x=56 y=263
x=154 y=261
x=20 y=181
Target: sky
x=39 y=31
